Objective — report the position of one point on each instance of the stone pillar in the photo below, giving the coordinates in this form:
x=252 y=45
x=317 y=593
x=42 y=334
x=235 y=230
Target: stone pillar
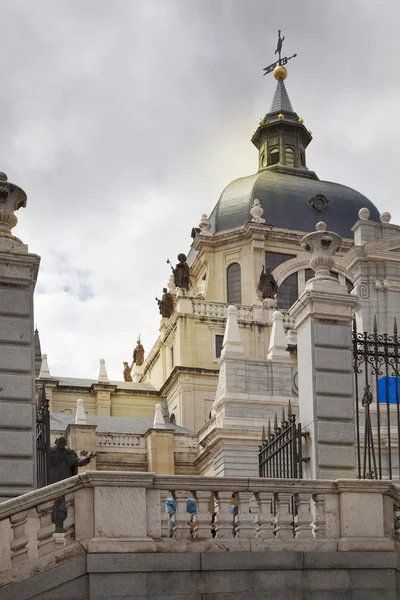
x=160 y=445
x=18 y=274
x=323 y=320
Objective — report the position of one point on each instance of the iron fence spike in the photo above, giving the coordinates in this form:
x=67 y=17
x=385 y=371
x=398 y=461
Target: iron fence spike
x=269 y=428
x=276 y=422
x=375 y=325
x=290 y=413
x=263 y=434
x=395 y=327
x=283 y=415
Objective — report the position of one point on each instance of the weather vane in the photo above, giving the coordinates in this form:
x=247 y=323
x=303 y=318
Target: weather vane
x=282 y=61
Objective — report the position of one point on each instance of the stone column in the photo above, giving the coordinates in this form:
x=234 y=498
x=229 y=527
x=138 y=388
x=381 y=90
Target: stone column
x=18 y=274
x=160 y=445
x=323 y=320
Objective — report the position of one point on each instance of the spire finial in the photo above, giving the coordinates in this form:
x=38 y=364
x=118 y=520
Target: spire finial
x=278 y=67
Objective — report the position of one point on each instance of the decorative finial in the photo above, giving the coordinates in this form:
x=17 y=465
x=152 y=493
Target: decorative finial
x=103 y=377
x=322 y=244
x=301 y=121
x=278 y=67
x=363 y=214
x=158 y=422
x=44 y=368
x=281 y=116
x=385 y=217
x=80 y=415
x=205 y=225
x=257 y=212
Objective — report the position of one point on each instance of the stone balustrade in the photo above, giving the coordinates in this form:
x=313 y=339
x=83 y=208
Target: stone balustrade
x=114 y=512
x=219 y=310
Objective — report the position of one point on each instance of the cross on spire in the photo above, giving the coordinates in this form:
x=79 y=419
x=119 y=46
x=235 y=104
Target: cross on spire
x=282 y=61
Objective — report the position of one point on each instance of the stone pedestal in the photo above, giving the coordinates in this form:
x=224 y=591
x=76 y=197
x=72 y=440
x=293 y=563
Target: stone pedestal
x=18 y=274
x=83 y=438
x=160 y=451
x=323 y=320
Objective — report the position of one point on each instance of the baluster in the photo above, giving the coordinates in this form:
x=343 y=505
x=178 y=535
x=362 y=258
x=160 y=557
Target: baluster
x=164 y=515
x=19 y=543
x=244 y=519
x=202 y=521
x=224 y=517
x=264 y=520
x=182 y=529
x=283 y=519
x=318 y=512
x=69 y=524
x=302 y=521
x=46 y=528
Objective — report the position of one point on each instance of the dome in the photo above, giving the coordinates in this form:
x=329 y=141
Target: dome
x=290 y=202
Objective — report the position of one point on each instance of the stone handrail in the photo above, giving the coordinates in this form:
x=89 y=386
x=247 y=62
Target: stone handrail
x=218 y=310
x=125 y=512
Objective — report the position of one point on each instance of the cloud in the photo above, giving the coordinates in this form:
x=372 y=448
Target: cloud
x=124 y=121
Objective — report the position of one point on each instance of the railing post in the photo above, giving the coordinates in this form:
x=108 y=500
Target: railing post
x=264 y=520
x=318 y=512
x=19 y=543
x=182 y=529
x=202 y=521
x=245 y=527
x=224 y=518
x=46 y=528
x=283 y=519
x=302 y=521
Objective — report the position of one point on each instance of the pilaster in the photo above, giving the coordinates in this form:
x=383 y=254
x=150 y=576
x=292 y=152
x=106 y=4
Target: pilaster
x=18 y=275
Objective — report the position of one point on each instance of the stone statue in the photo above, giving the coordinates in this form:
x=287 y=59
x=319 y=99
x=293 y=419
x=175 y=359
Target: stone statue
x=267 y=284
x=64 y=463
x=127 y=371
x=166 y=304
x=138 y=353
x=181 y=273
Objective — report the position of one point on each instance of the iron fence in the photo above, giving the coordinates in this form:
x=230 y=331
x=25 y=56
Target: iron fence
x=376 y=363
x=42 y=439
x=280 y=454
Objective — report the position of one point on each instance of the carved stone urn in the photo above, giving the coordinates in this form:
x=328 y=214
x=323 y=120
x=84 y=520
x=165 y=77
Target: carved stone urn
x=12 y=198
x=322 y=244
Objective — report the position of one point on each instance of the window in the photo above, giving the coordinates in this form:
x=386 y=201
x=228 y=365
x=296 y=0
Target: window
x=288 y=292
x=172 y=419
x=302 y=159
x=274 y=156
x=274 y=259
x=289 y=156
x=309 y=274
x=262 y=159
x=218 y=345
x=172 y=357
x=234 y=284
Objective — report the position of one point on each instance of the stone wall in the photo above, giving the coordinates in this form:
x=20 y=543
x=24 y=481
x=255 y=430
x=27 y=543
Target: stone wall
x=217 y=576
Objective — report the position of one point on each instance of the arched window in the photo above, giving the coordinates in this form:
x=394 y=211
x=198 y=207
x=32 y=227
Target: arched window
x=289 y=156
x=274 y=156
x=172 y=419
x=288 y=292
x=234 y=284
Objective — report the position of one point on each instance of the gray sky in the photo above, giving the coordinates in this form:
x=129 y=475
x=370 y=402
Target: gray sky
x=124 y=120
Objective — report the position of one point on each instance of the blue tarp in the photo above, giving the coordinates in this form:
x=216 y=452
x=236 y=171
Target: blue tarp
x=387 y=389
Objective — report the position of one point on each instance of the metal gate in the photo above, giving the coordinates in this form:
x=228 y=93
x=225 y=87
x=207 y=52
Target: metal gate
x=280 y=454
x=376 y=364
x=42 y=439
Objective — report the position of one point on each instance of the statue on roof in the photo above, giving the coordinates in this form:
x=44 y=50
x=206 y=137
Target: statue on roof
x=138 y=353
x=127 y=371
x=166 y=304
x=181 y=273
x=267 y=284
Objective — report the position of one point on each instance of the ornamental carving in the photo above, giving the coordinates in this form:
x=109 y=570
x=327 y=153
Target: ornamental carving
x=322 y=244
x=319 y=203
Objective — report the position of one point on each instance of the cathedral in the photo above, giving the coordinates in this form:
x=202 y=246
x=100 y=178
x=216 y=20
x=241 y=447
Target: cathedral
x=247 y=253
